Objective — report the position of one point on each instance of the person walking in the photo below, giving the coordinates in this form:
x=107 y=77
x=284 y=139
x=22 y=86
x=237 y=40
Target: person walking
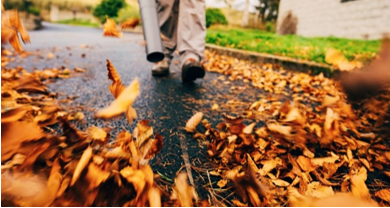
x=183 y=26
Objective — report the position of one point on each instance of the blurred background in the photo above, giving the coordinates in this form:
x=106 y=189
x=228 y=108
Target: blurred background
x=301 y=29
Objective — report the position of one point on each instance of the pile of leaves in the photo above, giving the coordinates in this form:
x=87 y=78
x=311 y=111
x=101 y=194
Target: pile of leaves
x=311 y=150
x=46 y=167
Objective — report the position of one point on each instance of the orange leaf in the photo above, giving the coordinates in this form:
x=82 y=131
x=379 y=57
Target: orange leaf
x=383 y=194
x=155 y=148
x=109 y=29
x=116 y=88
x=84 y=160
x=193 y=122
x=130 y=23
x=122 y=102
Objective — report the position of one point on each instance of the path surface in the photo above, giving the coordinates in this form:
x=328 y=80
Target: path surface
x=166 y=102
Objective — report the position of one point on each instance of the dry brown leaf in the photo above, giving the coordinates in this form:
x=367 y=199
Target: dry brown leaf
x=46 y=197
x=96 y=176
x=122 y=102
x=336 y=58
x=31 y=84
x=321 y=160
x=284 y=130
x=14 y=114
x=98 y=134
x=12 y=137
x=130 y=23
x=222 y=183
x=214 y=107
x=305 y=164
x=116 y=88
x=295 y=116
x=155 y=148
x=358 y=183
x=238 y=203
x=269 y=165
x=50 y=55
x=317 y=190
x=142 y=132
x=10 y=27
x=135 y=177
x=154 y=196
x=17 y=159
x=184 y=192
x=336 y=200
x=280 y=182
x=109 y=29
x=383 y=194
x=194 y=122
x=248 y=129
x=84 y=160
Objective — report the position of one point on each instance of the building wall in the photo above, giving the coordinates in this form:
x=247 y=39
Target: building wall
x=56 y=15
x=360 y=19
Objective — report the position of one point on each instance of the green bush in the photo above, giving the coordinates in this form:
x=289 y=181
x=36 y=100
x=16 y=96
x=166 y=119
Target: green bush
x=34 y=11
x=109 y=8
x=270 y=27
x=215 y=16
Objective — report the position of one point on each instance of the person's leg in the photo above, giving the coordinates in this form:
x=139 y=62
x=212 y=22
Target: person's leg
x=191 y=38
x=168 y=12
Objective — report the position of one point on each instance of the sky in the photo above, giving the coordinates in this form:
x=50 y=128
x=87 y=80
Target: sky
x=238 y=4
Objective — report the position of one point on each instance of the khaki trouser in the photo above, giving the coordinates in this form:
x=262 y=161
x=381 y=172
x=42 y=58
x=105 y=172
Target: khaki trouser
x=183 y=23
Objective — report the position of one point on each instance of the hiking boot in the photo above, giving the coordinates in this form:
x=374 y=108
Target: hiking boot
x=161 y=68
x=191 y=70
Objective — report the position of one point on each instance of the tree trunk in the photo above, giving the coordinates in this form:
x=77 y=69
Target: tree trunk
x=245 y=16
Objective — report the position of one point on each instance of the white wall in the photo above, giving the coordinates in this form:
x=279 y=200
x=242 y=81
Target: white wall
x=359 y=19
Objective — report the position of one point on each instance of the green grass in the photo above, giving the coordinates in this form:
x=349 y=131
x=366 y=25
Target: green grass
x=80 y=22
x=312 y=49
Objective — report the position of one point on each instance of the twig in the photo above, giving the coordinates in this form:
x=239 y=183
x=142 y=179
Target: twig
x=184 y=148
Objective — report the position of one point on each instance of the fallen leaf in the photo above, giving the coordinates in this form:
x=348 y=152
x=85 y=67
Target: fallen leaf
x=222 y=183
x=95 y=176
x=155 y=148
x=130 y=23
x=116 y=88
x=321 y=160
x=14 y=114
x=98 y=134
x=154 y=196
x=122 y=103
x=109 y=29
x=12 y=137
x=193 y=122
x=383 y=194
x=358 y=183
x=84 y=160
x=184 y=192
x=337 y=59
x=248 y=129
x=316 y=190
x=214 y=107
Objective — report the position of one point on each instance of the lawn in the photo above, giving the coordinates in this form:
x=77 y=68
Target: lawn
x=80 y=22
x=294 y=46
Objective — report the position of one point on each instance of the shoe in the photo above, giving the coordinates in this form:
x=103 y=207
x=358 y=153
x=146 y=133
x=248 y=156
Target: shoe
x=161 y=68
x=191 y=70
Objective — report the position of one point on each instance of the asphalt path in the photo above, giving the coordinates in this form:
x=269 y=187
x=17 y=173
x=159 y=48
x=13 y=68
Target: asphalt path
x=166 y=102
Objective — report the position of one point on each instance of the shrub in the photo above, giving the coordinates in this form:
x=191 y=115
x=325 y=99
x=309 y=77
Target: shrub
x=270 y=27
x=215 y=16
x=109 y=8
x=34 y=11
